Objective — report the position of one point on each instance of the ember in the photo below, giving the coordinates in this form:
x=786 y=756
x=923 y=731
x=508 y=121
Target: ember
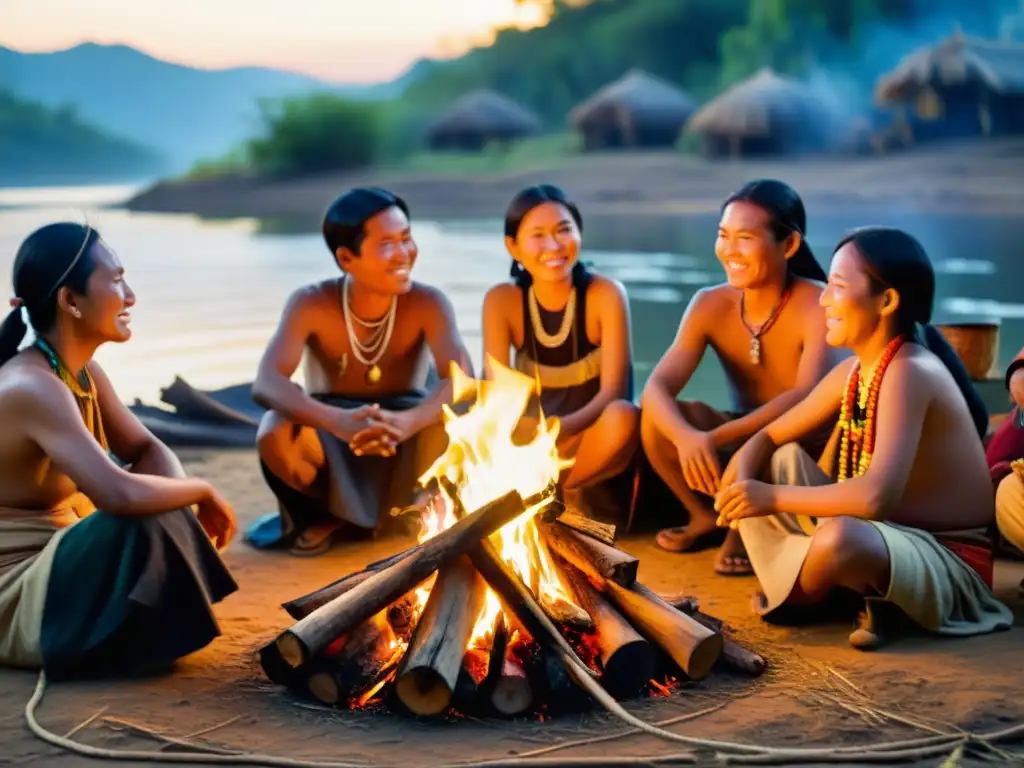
x=496 y=610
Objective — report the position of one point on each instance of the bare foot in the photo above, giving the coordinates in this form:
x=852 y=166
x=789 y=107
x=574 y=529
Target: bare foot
x=732 y=557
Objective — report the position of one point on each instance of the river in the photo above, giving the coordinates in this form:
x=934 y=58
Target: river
x=210 y=292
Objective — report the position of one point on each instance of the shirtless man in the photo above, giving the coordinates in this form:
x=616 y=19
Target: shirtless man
x=767 y=329
x=108 y=563
x=355 y=441
x=907 y=523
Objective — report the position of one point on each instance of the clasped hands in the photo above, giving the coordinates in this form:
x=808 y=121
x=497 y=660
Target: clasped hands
x=372 y=431
x=735 y=499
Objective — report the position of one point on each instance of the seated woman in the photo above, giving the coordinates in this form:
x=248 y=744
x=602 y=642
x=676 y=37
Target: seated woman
x=569 y=329
x=1005 y=456
x=126 y=589
x=903 y=515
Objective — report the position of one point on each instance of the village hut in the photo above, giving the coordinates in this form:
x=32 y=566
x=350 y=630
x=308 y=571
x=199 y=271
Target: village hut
x=479 y=118
x=637 y=110
x=767 y=114
x=962 y=87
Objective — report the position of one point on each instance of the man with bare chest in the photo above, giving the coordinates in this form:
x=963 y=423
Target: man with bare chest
x=767 y=328
x=352 y=443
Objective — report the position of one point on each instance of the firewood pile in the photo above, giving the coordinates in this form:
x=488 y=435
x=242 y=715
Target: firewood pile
x=412 y=631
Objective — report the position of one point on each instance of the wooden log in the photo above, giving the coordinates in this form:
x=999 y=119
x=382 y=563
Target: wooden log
x=565 y=614
x=688 y=604
x=603 y=532
x=596 y=559
x=427 y=677
x=515 y=597
x=734 y=655
x=275 y=668
x=513 y=694
x=517 y=600
x=314 y=632
x=627 y=658
x=358 y=664
x=301 y=607
x=692 y=646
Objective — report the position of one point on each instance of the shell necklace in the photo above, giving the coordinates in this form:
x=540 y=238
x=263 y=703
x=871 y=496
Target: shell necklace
x=370 y=352
x=568 y=319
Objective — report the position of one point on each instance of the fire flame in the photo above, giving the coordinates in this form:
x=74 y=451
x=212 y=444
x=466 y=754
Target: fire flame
x=484 y=461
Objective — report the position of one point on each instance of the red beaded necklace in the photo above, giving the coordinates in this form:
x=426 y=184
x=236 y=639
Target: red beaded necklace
x=857 y=421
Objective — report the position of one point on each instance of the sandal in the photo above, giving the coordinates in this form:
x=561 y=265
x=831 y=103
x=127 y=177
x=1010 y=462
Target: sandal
x=676 y=539
x=736 y=562
x=315 y=540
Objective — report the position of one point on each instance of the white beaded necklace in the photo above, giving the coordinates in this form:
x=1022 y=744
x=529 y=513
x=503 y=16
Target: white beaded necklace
x=568 y=318
x=370 y=352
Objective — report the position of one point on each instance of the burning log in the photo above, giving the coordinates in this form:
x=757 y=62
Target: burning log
x=429 y=672
x=357 y=665
x=509 y=687
x=603 y=532
x=301 y=607
x=567 y=615
x=596 y=559
x=314 y=632
x=692 y=646
x=627 y=658
x=515 y=597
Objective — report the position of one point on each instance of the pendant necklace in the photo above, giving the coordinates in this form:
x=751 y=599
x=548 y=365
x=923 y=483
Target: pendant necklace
x=370 y=352
x=759 y=331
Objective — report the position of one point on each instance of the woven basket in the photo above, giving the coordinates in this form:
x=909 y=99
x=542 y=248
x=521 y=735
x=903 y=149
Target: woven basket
x=977 y=344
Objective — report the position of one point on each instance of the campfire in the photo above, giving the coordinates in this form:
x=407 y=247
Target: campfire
x=508 y=603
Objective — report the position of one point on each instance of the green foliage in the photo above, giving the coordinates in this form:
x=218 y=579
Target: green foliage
x=53 y=144
x=527 y=154
x=317 y=133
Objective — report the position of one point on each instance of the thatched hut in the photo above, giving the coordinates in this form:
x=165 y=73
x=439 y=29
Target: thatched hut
x=767 y=114
x=637 y=110
x=478 y=118
x=961 y=87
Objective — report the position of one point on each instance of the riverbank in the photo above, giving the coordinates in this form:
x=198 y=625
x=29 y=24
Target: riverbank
x=817 y=691
x=979 y=176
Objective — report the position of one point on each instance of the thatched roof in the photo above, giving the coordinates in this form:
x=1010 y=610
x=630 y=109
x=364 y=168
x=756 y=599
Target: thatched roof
x=645 y=98
x=486 y=113
x=958 y=59
x=758 y=106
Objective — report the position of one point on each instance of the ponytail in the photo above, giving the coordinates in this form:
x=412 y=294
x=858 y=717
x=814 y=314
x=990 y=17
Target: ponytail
x=12 y=333
x=929 y=337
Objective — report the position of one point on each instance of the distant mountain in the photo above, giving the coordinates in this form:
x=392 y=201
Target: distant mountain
x=47 y=145
x=183 y=112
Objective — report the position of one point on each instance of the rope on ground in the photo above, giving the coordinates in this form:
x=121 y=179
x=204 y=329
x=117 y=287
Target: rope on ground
x=726 y=751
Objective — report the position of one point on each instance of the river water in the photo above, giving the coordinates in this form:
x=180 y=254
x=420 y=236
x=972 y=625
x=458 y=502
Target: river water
x=210 y=292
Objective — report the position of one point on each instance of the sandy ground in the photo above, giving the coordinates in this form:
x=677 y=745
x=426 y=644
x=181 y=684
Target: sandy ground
x=971 y=176
x=801 y=701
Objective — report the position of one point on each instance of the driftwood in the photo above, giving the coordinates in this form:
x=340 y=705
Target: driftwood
x=597 y=560
x=627 y=658
x=603 y=532
x=429 y=672
x=301 y=607
x=313 y=633
x=692 y=646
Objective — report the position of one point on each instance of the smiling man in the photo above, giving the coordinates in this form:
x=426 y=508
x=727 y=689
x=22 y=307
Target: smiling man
x=353 y=442
x=768 y=331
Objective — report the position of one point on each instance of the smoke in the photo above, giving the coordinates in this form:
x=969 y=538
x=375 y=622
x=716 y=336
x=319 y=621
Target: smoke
x=845 y=74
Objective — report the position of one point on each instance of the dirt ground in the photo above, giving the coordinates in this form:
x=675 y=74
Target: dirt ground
x=818 y=691
x=982 y=176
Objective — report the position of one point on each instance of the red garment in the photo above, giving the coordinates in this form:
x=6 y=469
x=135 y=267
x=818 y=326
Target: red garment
x=973 y=555
x=1006 y=445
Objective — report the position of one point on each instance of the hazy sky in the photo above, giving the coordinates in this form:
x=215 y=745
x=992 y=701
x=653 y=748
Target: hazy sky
x=343 y=40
